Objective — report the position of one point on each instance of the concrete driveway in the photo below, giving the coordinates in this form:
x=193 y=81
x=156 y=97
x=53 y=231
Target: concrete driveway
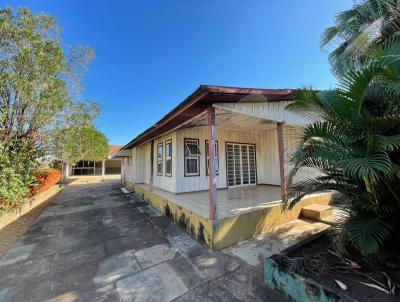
x=93 y=243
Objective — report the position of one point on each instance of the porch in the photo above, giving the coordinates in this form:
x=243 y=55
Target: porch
x=231 y=202
x=242 y=212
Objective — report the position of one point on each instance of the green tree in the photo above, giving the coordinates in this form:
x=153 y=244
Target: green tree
x=355 y=146
x=358 y=30
x=39 y=86
x=74 y=138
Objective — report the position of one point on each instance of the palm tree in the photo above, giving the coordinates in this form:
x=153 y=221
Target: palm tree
x=368 y=23
x=355 y=145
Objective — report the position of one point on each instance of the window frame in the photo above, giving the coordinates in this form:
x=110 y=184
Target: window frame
x=160 y=159
x=185 y=157
x=207 y=156
x=168 y=158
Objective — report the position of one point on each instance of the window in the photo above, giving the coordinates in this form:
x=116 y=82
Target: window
x=159 y=159
x=168 y=158
x=192 y=157
x=216 y=157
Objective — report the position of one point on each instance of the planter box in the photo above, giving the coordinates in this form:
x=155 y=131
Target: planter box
x=299 y=288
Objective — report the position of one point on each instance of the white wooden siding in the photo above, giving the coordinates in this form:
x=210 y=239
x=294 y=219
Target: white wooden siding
x=273 y=111
x=267 y=158
x=167 y=183
x=127 y=168
x=198 y=183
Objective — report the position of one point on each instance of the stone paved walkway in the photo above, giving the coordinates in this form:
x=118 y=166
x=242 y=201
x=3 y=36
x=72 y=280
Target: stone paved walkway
x=93 y=243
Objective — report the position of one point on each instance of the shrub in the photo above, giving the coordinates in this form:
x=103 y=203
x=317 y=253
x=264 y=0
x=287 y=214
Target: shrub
x=45 y=178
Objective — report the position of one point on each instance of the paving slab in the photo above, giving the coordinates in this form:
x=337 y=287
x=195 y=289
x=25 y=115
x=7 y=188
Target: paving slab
x=156 y=284
x=184 y=243
x=150 y=211
x=86 y=247
x=3 y=294
x=106 y=293
x=17 y=254
x=116 y=267
x=155 y=255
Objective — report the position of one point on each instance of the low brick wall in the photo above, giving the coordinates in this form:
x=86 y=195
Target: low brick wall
x=36 y=200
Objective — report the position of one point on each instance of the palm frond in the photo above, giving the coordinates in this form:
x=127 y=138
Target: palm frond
x=368 y=233
x=387 y=143
x=368 y=167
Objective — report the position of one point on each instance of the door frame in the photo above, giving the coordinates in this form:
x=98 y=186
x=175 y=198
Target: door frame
x=226 y=164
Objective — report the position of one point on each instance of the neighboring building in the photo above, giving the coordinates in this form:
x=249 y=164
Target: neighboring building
x=252 y=133
x=108 y=166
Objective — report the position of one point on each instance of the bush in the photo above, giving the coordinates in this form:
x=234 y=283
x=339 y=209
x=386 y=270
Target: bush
x=45 y=178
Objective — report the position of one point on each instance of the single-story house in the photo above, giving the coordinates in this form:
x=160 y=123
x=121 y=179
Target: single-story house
x=111 y=165
x=248 y=134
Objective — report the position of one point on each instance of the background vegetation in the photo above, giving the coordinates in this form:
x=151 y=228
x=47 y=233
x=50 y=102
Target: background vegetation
x=41 y=115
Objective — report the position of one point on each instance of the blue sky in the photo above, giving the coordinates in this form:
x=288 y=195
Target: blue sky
x=151 y=54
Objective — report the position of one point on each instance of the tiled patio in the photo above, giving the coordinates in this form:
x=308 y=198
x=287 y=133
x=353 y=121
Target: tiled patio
x=94 y=243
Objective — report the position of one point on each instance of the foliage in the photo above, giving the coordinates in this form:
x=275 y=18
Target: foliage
x=75 y=138
x=74 y=144
x=39 y=83
x=12 y=189
x=355 y=145
x=45 y=178
x=356 y=31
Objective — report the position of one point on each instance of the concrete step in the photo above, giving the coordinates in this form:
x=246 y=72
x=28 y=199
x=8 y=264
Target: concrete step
x=316 y=212
x=126 y=191
x=285 y=237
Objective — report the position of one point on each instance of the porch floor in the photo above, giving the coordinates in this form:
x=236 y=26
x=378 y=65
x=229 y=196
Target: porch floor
x=230 y=202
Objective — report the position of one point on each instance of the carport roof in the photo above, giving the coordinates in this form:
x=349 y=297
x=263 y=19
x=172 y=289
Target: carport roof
x=202 y=98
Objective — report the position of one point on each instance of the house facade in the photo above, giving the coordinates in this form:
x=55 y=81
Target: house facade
x=247 y=132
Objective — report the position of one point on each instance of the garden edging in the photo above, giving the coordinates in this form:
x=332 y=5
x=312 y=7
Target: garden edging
x=36 y=200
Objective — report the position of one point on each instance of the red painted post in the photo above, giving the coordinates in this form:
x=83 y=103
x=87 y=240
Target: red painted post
x=281 y=149
x=212 y=166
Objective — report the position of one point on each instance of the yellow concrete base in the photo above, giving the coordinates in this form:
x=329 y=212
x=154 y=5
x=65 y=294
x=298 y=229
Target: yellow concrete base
x=230 y=230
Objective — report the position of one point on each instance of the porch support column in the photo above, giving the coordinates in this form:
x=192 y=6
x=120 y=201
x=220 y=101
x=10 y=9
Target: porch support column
x=212 y=167
x=103 y=168
x=281 y=149
x=151 y=164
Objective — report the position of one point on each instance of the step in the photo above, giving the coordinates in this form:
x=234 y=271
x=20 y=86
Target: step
x=316 y=211
x=126 y=191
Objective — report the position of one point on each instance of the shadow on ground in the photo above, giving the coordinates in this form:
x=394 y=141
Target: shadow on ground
x=94 y=243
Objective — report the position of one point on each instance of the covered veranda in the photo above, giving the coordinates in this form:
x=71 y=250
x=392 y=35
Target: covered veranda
x=231 y=202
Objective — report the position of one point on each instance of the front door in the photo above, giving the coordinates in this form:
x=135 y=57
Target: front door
x=241 y=164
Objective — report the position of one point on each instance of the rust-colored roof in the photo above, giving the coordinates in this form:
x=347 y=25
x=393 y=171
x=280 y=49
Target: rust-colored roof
x=114 y=149
x=202 y=98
